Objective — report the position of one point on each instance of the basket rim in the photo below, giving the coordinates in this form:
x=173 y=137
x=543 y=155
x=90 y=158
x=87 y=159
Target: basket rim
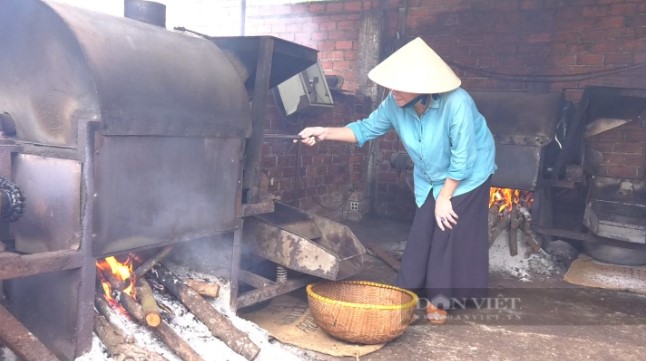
x=410 y=304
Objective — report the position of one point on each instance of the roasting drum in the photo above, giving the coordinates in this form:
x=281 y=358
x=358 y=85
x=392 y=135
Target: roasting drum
x=159 y=117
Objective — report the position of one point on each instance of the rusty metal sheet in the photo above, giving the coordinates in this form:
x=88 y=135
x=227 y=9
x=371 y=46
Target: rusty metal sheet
x=518 y=167
x=520 y=118
x=623 y=222
x=337 y=254
x=46 y=86
x=13 y=265
x=157 y=190
x=52 y=189
x=20 y=340
x=616 y=209
x=84 y=65
x=287 y=58
x=53 y=295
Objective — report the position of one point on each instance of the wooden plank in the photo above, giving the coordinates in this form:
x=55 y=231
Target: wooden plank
x=22 y=342
x=385 y=256
x=13 y=265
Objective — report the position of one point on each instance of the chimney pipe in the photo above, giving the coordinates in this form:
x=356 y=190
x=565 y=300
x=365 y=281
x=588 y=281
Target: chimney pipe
x=145 y=11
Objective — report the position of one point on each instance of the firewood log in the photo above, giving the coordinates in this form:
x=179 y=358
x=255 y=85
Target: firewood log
x=516 y=218
x=152 y=261
x=500 y=225
x=148 y=303
x=204 y=288
x=174 y=342
x=118 y=345
x=219 y=325
x=385 y=256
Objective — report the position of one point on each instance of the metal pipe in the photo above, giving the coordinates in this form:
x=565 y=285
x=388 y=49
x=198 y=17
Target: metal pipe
x=145 y=11
x=243 y=16
x=283 y=136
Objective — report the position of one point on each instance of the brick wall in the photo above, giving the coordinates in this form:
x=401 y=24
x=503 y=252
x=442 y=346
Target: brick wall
x=623 y=150
x=324 y=178
x=525 y=45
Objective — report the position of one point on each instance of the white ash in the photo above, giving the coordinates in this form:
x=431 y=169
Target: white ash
x=7 y=355
x=191 y=330
x=522 y=266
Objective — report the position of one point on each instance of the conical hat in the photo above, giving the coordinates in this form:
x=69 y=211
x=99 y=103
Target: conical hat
x=415 y=68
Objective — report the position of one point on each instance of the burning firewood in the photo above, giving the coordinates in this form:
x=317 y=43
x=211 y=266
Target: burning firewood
x=500 y=224
x=152 y=261
x=119 y=345
x=204 y=288
x=531 y=238
x=148 y=304
x=174 y=342
x=515 y=221
x=219 y=325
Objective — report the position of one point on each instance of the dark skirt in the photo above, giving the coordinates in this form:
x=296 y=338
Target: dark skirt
x=453 y=263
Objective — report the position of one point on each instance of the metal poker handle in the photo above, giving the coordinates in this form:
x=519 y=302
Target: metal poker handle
x=283 y=136
x=286 y=136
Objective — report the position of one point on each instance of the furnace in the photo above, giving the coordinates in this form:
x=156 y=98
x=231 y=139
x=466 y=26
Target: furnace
x=120 y=136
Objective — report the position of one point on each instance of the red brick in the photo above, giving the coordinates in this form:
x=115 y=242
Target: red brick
x=623 y=9
x=637 y=135
x=636 y=20
x=319 y=35
x=353 y=6
x=618 y=171
x=606 y=47
x=341 y=65
x=530 y=4
x=564 y=60
x=539 y=38
x=338 y=35
x=334 y=7
x=327 y=25
x=325 y=45
x=612 y=135
x=628 y=148
x=594 y=11
x=316 y=7
x=618 y=59
x=589 y=59
x=347 y=25
x=341 y=45
x=610 y=22
x=603 y=147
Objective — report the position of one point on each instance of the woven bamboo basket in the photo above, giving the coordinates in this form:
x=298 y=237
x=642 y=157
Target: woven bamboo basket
x=360 y=311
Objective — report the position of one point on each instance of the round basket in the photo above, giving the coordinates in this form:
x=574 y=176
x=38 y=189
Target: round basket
x=360 y=311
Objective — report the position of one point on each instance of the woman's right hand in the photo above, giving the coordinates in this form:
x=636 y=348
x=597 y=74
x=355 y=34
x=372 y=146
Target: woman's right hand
x=313 y=135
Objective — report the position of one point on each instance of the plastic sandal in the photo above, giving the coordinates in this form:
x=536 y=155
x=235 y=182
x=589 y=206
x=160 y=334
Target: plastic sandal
x=436 y=315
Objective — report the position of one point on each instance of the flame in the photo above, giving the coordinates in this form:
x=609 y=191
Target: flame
x=111 y=269
x=506 y=198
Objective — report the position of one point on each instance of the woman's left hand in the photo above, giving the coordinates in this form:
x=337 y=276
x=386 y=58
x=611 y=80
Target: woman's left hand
x=444 y=215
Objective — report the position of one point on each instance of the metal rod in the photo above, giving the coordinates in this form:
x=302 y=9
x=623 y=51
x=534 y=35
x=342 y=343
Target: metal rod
x=283 y=136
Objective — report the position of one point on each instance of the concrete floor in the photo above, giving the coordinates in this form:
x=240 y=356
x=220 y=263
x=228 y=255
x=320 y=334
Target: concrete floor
x=552 y=319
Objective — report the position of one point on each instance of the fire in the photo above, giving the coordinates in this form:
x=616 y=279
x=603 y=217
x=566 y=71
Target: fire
x=111 y=271
x=506 y=198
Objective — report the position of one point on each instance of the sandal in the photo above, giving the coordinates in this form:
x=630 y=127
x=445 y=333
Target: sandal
x=436 y=315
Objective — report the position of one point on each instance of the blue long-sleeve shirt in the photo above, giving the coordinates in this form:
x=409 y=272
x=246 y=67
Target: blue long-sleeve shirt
x=451 y=139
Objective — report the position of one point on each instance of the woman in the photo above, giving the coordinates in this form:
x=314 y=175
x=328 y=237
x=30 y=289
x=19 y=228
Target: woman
x=446 y=255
